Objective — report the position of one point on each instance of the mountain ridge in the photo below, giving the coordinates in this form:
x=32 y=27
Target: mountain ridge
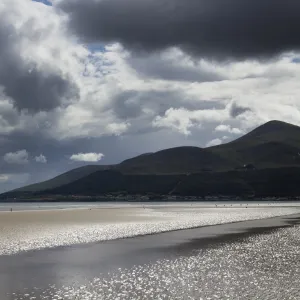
x=273 y=145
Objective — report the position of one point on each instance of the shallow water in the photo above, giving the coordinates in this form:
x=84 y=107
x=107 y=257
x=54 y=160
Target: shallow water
x=212 y=262
x=22 y=206
x=249 y=260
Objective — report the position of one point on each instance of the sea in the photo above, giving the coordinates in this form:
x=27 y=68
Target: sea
x=27 y=206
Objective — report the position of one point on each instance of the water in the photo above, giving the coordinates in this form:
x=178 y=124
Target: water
x=252 y=260
x=48 y=228
x=23 y=206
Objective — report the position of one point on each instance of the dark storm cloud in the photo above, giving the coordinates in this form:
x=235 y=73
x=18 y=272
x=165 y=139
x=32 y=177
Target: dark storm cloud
x=236 y=110
x=8 y=116
x=127 y=105
x=218 y=29
x=158 y=68
x=30 y=85
x=130 y=105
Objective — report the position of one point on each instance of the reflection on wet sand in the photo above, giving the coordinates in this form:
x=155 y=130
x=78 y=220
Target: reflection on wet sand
x=31 y=230
x=248 y=260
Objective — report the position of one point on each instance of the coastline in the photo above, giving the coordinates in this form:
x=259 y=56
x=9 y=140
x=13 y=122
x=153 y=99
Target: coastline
x=80 y=265
x=145 y=198
x=39 y=229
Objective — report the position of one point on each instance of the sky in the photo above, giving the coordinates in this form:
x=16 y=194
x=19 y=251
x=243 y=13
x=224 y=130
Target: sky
x=99 y=81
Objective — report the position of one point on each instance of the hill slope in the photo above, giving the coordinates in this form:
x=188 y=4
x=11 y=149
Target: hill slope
x=62 y=179
x=178 y=160
x=111 y=181
x=171 y=161
x=257 y=183
x=274 y=145
x=272 y=131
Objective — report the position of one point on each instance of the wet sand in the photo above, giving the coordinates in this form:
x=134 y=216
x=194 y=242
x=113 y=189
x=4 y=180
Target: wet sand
x=45 y=254
x=32 y=230
x=43 y=274
x=65 y=216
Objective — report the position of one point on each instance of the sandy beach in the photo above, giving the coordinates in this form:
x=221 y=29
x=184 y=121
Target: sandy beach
x=32 y=229
x=109 y=252
x=71 y=216
x=255 y=259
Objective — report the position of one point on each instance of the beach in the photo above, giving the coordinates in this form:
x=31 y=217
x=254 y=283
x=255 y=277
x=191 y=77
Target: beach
x=40 y=229
x=98 y=253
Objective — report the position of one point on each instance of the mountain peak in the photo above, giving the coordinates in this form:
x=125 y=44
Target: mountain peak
x=275 y=144
x=276 y=123
x=272 y=127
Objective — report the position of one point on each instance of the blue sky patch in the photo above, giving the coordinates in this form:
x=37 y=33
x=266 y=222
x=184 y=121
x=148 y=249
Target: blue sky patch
x=43 y=1
x=296 y=60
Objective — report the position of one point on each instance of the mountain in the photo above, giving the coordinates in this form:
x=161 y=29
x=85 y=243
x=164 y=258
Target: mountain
x=62 y=179
x=272 y=131
x=171 y=161
x=110 y=181
x=252 y=164
x=258 y=183
x=176 y=161
x=272 y=145
x=280 y=182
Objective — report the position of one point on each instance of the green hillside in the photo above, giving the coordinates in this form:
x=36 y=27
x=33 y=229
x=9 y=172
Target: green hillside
x=110 y=181
x=274 y=144
x=271 y=154
x=258 y=183
x=178 y=160
x=62 y=179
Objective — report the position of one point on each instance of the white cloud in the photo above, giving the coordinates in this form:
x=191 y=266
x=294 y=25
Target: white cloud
x=183 y=120
x=270 y=89
x=19 y=157
x=41 y=159
x=176 y=119
x=163 y=99
x=87 y=157
x=214 y=142
x=229 y=129
x=57 y=52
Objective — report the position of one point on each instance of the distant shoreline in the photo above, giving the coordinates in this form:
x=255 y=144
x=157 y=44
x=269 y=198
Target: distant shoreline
x=162 y=200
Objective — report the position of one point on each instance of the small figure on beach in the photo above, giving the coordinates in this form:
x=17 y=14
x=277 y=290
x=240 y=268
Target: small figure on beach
x=11 y=209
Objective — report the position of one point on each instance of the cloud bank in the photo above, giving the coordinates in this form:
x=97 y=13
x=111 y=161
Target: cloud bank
x=32 y=74
x=80 y=76
x=217 y=29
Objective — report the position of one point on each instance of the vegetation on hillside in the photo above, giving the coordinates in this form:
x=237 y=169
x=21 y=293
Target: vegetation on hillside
x=266 y=161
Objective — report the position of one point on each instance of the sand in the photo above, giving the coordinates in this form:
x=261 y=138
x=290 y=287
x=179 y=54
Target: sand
x=31 y=230
x=245 y=260
x=71 y=216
